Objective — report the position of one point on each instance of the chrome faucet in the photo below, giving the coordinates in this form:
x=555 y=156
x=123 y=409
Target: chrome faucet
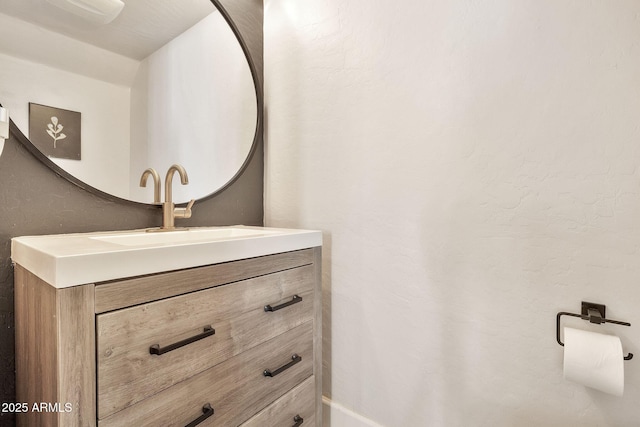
x=169 y=211
x=156 y=183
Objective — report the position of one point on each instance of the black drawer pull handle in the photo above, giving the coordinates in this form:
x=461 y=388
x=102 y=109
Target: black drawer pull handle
x=296 y=299
x=294 y=359
x=298 y=421
x=207 y=411
x=156 y=349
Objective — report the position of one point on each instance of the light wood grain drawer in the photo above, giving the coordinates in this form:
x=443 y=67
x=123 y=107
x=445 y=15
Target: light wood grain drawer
x=235 y=389
x=129 y=373
x=296 y=408
x=124 y=293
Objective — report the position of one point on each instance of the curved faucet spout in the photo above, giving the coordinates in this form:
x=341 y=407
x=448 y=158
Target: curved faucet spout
x=156 y=183
x=184 y=180
x=169 y=211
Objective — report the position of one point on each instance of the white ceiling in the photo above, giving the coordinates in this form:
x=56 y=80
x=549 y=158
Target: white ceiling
x=141 y=28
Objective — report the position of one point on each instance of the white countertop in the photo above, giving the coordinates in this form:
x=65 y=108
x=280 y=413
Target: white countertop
x=66 y=260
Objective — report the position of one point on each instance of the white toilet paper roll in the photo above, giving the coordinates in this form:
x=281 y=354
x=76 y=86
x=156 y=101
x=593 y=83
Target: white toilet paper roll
x=594 y=360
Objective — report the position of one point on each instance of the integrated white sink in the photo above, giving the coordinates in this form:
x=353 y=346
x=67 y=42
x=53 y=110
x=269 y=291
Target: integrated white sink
x=192 y=235
x=75 y=259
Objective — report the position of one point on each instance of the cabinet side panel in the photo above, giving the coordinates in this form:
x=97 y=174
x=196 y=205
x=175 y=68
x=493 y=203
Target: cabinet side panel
x=76 y=355
x=36 y=342
x=317 y=333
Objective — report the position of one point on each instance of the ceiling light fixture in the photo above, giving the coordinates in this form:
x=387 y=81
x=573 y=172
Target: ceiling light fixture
x=96 y=11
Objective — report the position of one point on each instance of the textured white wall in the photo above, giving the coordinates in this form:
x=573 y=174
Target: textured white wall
x=474 y=168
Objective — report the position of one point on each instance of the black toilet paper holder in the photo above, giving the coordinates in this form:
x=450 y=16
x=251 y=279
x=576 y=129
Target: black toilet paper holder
x=594 y=313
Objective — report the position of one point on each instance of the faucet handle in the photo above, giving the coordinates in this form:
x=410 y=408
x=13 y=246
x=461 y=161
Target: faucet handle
x=184 y=212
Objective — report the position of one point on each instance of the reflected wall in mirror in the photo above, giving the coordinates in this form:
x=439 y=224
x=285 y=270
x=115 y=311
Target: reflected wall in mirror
x=4 y=127
x=166 y=82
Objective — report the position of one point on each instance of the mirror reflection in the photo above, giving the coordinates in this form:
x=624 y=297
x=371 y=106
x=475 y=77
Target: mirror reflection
x=164 y=82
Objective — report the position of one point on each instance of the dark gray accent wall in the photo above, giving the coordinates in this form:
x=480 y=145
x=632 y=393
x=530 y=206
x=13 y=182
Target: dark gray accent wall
x=34 y=200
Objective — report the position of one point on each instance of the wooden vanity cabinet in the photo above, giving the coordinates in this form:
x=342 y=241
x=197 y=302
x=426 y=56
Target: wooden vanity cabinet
x=236 y=343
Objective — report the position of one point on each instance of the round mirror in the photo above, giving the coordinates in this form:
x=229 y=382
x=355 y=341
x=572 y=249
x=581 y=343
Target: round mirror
x=164 y=82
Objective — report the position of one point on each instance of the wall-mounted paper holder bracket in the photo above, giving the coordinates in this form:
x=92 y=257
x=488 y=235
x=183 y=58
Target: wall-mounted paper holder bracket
x=594 y=313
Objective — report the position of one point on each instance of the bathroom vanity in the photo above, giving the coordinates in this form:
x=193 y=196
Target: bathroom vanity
x=209 y=326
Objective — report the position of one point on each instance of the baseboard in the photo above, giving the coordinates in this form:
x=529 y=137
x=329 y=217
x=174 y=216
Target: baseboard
x=336 y=415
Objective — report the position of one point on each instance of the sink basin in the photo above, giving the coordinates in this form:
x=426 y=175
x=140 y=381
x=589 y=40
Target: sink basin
x=192 y=235
x=66 y=260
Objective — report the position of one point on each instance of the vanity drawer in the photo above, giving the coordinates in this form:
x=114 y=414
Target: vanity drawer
x=296 y=408
x=124 y=293
x=129 y=373
x=235 y=389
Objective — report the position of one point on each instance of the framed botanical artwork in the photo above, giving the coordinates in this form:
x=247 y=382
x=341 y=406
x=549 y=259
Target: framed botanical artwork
x=54 y=131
